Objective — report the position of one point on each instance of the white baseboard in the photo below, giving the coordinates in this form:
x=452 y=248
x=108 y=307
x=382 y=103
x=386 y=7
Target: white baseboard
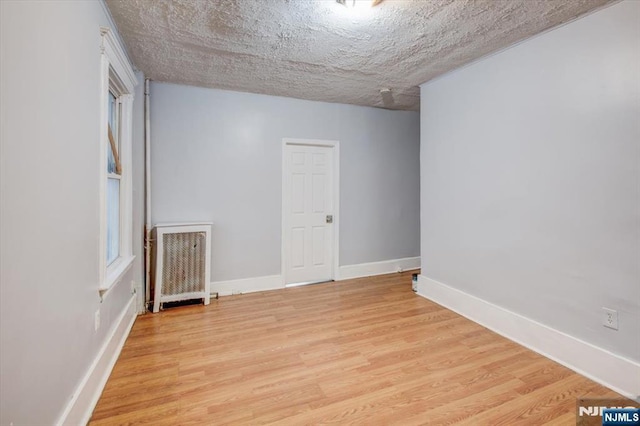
x=85 y=398
x=247 y=285
x=613 y=371
x=274 y=282
x=378 y=268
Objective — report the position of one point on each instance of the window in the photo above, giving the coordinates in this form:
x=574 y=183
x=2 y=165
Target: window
x=114 y=175
x=118 y=82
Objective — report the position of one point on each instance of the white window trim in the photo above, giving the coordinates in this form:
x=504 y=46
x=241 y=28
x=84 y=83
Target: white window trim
x=116 y=70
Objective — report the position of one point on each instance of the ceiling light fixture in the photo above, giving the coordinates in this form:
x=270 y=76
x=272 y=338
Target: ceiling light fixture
x=356 y=3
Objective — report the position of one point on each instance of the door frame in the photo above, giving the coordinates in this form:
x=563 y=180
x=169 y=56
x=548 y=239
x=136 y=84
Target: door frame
x=335 y=149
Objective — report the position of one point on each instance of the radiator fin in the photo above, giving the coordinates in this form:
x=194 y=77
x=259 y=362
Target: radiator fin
x=183 y=268
x=181 y=263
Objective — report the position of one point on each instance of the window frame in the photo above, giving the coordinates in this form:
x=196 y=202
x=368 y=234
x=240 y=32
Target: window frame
x=117 y=76
x=113 y=150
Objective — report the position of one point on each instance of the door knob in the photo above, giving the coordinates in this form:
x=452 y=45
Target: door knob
x=329 y=218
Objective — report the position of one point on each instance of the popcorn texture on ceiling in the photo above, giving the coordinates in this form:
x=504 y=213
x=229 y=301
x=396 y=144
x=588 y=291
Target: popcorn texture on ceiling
x=320 y=50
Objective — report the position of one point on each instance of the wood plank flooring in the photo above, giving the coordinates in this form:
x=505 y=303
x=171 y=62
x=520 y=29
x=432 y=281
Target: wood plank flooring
x=365 y=351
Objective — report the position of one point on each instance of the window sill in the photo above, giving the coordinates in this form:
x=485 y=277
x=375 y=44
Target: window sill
x=115 y=272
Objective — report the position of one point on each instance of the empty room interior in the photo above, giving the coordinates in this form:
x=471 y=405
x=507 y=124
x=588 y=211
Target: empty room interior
x=303 y=212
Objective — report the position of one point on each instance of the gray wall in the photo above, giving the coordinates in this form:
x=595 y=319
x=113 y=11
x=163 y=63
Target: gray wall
x=49 y=174
x=216 y=155
x=530 y=163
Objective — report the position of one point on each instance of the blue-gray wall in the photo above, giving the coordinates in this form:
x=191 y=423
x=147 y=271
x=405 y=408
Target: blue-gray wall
x=530 y=173
x=216 y=155
x=50 y=172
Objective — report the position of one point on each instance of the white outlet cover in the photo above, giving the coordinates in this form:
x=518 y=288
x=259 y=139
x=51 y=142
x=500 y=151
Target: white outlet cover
x=610 y=318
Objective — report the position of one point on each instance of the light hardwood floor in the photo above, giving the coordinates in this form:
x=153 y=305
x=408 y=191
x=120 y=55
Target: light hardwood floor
x=364 y=351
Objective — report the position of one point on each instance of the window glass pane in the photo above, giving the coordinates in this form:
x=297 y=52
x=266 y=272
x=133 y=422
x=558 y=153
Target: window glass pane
x=113 y=123
x=113 y=220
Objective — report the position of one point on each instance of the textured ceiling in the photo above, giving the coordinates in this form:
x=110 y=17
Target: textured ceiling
x=322 y=51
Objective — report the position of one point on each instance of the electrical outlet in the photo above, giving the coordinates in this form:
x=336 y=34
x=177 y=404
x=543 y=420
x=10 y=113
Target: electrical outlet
x=610 y=318
x=96 y=320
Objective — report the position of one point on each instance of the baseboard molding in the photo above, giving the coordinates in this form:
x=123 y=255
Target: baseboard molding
x=85 y=398
x=613 y=371
x=274 y=282
x=378 y=268
x=247 y=285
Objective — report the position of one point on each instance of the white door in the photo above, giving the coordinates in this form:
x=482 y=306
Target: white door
x=308 y=213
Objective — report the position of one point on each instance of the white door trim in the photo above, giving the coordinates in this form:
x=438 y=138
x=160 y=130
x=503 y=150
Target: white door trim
x=335 y=145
